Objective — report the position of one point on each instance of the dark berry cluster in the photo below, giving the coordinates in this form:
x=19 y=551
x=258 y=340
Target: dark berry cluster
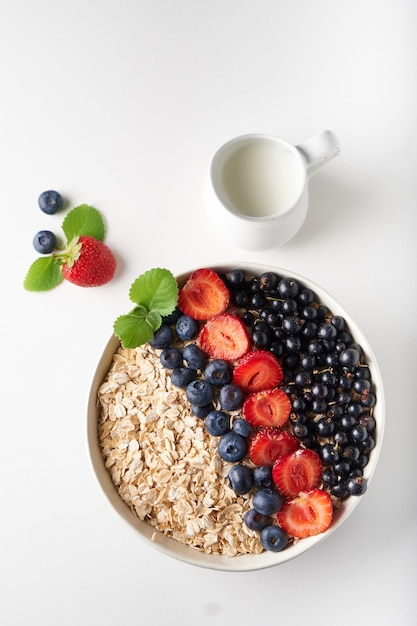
x=325 y=376
x=325 y=372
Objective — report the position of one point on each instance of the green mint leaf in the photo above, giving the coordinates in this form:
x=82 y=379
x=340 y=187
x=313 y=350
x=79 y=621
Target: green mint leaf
x=134 y=329
x=44 y=274
x=83 y=220
x=156 y=290
x=154 y=319
x=155 y=294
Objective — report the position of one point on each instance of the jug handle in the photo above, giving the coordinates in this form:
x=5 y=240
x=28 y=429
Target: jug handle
x=318 y=150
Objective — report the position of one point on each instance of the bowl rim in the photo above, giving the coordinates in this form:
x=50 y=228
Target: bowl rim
x=188 y=554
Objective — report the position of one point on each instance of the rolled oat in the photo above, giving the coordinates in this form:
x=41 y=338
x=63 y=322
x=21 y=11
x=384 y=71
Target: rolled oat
x=164 y=465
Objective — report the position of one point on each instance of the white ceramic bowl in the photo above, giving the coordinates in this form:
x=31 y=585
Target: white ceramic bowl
x=188 y=554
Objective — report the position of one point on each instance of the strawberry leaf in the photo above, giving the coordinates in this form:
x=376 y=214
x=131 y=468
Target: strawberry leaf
x=44 y=274
x=134 y=329
x=157 y=290
x=83 y=220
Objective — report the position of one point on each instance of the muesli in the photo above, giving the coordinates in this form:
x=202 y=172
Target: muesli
x=237 y=413
x=164 y=464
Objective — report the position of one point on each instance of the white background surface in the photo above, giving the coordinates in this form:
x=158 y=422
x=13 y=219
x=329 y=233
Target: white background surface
x=121 y=104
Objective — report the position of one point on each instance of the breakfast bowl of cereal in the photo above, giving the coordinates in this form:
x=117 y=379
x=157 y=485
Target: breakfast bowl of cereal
x=236 y=415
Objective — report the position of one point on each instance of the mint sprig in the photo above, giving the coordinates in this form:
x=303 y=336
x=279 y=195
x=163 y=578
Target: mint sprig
x=155 y=294
x=45 y=273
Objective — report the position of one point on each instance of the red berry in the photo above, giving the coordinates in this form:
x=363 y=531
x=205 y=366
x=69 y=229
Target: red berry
x=269 y=443
x=204 y=295
x=298 y=471
x=267 y=408
x=257 y=370
x=224 y=337
x=92 y=265
x=310 y=513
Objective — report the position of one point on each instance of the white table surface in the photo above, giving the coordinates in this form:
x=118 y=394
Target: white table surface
x=121 y=104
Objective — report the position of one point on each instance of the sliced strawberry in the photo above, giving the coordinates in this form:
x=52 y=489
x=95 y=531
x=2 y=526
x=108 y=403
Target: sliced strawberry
x=298 y=471
x=267 y=408
x=257 y=370
x=224 y=337
x=269 y=443
x=310 y=513
x=204 y=295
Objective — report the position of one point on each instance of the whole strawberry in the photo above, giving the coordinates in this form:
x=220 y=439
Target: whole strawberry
x=90 y=263
x=83 y=260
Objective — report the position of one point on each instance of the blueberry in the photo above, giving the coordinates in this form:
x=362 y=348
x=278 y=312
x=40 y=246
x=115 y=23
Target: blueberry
x=202 y=411
x=171 y=358
x=255 y=520
x=262 y=476
x=44 y=242
x=242 y=427
x=231 y=397
x=194 y=357
x=235 y=277
x=218 y=372
x=187 y=328
x=182 y=376
x=241 y=298
x=267 y=501
x=232 y=447
x=162 y=337
x=50 y=202
x=217 y=423
x=199 y=392
x=273 y=538
x=241 y=479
